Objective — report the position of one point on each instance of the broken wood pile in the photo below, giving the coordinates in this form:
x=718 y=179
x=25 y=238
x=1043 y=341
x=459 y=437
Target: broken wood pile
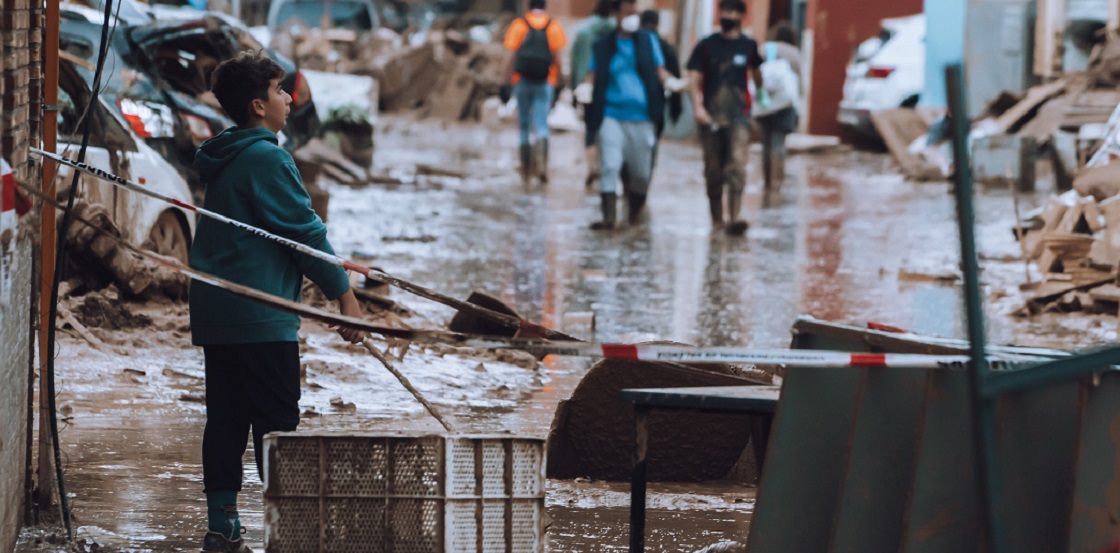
x=1075 y=243
x=1069 y=118
x=447 y=75
x=104 y=261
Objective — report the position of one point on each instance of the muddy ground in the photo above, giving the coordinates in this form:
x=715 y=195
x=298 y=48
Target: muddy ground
x=848 y=239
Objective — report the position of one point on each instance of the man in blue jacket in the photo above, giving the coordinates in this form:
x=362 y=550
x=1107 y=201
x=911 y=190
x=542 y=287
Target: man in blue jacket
x=251 y=350
x=625 y=93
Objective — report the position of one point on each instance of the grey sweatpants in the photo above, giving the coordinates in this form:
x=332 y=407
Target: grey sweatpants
x=629 y=142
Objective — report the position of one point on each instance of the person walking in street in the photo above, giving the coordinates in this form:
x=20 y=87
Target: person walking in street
x=252 y=351
x=534 y=73
x=600 y=23
x=718 y=69
x=625 y=97
x=781 y=50
x=651 y=21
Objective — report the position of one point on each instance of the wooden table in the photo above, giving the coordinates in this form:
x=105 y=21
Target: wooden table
x=758 y=400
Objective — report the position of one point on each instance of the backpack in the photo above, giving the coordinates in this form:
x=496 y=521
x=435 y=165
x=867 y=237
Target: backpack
x=534 y=58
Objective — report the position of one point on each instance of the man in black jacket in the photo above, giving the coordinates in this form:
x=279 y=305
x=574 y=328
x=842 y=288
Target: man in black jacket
x=718 y=70
x=625 y=93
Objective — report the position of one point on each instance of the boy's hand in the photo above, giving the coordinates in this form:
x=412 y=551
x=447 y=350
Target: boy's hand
x=348 y=307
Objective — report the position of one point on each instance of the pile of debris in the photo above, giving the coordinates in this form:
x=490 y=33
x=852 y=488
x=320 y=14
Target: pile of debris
x=101 y=260
x=1075 y=238
x=1067 y=118
x=446 y=74
x=1075 y=242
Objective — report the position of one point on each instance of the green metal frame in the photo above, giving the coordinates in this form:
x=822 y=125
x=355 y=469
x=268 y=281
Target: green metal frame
x=987 y=385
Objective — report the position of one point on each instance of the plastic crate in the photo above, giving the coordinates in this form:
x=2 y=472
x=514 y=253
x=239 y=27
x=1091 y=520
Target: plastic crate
x=401 y=493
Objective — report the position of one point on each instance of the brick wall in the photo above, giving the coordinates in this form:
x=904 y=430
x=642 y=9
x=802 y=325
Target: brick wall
x=20 y=103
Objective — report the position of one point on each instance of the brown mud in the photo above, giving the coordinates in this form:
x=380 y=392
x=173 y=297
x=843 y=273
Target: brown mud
x=843 y=241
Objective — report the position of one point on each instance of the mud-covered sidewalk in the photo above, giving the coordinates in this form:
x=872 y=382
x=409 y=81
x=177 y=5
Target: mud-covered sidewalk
x=847 y=240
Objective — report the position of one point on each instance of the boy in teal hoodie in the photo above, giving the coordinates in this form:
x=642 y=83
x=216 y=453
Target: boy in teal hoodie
x=251 y=350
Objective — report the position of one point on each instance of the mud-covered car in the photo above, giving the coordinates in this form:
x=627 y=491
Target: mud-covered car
x=114 y=147
x=158 y=75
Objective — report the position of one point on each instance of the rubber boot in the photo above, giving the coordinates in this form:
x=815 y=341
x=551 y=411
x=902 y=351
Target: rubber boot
x=526 y=164
x=735 y=225
x=635 y=203
x=715 y=209
x=542 y=161
x=609 y=208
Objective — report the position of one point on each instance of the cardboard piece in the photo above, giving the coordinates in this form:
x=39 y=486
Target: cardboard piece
x=899 y=128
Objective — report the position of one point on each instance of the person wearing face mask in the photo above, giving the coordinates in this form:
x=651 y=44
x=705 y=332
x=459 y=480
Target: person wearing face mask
x=718 y=69
x=600 y=23
x=625 y=97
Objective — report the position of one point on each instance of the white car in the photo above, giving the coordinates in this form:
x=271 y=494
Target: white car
x=886 y=72
x=113 y=147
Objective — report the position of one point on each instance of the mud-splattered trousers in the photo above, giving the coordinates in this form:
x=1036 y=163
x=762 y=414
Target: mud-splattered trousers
x=726 y=148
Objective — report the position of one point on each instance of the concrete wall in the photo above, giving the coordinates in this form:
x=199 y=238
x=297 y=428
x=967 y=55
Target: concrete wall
x=998 y=49
x=20 y=103
x=942 y=47
x=836 y=27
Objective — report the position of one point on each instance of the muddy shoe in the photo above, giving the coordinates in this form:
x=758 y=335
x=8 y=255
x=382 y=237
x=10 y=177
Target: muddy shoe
x=737 y=228
x=608 y=205
x=215 y=542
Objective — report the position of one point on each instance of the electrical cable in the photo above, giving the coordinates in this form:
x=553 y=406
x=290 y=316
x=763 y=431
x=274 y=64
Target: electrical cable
x=60 y=261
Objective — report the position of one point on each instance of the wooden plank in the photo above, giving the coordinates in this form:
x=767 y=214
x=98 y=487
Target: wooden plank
x=899 y=128
x=1050 y=291
x=1106 y=293
x=1094 y=520
x=1052 y=212
x=943 y=513
x=752 y=399
x=1036 y=96
x=808 y=444
x=1036 y=433
x=880 y=467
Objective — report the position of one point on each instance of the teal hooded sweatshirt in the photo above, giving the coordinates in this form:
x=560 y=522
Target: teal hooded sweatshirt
x=251 y=179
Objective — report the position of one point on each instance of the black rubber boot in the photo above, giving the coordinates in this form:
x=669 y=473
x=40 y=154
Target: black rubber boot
x=735 y=225
x=715 y=209
x=526 y=164
x=542 y=161
x=609 y=208
x=635 y=204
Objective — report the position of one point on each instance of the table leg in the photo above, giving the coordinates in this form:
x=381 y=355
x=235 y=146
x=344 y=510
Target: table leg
x=760 y=436
x=638 y=483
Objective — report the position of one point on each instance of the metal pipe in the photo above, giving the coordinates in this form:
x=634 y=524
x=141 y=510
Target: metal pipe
x=47 y=230
x=1051 y=372
x=983 y=415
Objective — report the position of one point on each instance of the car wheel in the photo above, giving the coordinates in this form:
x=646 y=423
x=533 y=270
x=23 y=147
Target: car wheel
x=167 y=237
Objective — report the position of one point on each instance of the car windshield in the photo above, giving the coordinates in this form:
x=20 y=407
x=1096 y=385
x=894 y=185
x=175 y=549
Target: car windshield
x=350 y=15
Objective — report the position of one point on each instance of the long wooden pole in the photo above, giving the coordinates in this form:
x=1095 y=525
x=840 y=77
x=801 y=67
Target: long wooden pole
x=47 y=249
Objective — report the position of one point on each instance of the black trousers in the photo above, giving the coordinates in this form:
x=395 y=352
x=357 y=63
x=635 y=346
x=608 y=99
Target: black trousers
x=248 y=386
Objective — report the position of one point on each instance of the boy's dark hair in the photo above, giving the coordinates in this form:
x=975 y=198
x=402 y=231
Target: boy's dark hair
x=733 y=6
x=650 y=19
x=536 y=4
x=241 y=79
x=604 y=8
